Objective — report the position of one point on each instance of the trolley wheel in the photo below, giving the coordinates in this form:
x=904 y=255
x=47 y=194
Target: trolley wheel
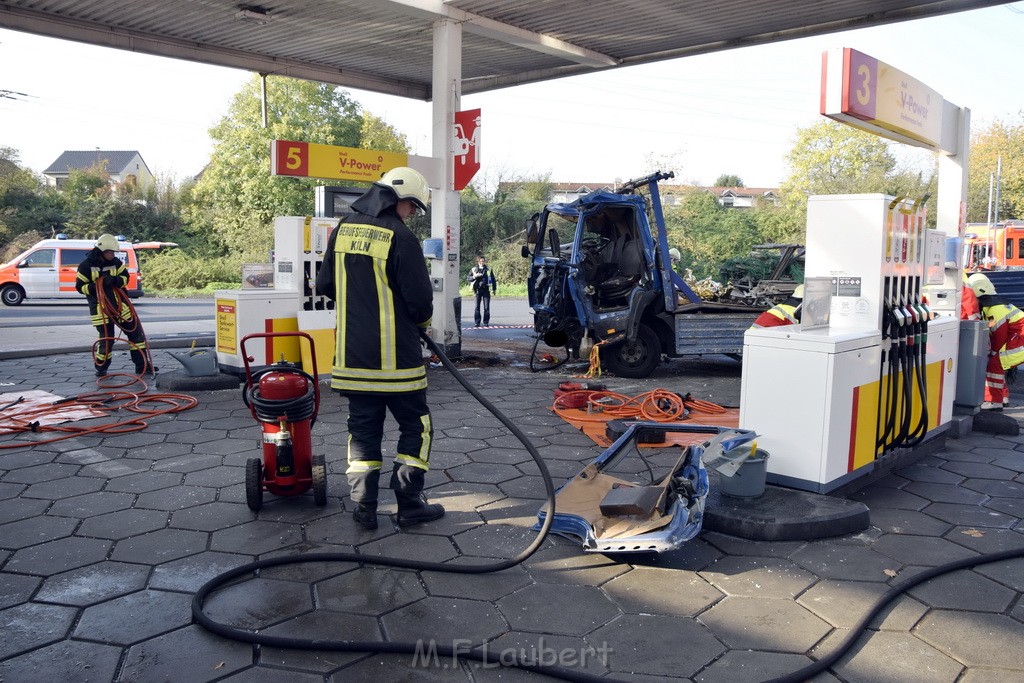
x=254 y=483
x=319 y=474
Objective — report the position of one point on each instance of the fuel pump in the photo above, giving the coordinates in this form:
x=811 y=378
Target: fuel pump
x=878 y=379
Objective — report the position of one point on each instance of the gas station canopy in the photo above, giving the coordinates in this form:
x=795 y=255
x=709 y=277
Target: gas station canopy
x=387 y=45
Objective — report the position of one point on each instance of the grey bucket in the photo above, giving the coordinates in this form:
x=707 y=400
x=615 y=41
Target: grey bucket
x=749 y=480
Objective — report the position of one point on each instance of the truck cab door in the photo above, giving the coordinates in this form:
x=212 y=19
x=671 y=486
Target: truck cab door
x=37 y=274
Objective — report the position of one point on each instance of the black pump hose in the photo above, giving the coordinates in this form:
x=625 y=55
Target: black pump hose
x=510 y=658
x=269 y=410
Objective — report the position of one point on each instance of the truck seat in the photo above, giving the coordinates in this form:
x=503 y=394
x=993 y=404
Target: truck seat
x=630 y=268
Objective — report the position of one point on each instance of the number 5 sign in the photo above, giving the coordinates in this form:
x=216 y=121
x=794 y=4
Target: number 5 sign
x=466 y=147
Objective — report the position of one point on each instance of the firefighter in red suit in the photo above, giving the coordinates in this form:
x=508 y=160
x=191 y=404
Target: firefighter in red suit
x=968 y=302
x=1006 y=341
x=785 y=313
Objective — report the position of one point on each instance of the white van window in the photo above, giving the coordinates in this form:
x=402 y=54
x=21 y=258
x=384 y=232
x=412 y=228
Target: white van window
x=40 y=258
x=72 y=258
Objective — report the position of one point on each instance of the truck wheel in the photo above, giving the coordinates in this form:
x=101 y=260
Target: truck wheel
x=319 y=475
x=634 y=359
x=254 y=483
x=12 y=295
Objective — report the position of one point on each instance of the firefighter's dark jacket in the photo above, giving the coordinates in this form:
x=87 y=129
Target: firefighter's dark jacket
x=374 y=269
x=94 y=266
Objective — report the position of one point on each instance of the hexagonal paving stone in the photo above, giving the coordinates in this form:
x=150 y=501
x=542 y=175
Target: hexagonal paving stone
x=161 y=451
x=656 y=646
x=189 y=573
x=176 y=498
x=975 y=638
x=483 y=473
x=944 y=493
x=36 y=530
x=446 y=619
x=152 y=613
x=986 y=540
x=896 y=521
x=16 y=588
x=964 y=591
x=318 y=625
x=23 y=508
x=843 y=603
x=27 y=458
x=159 y=546
x=402 y=668
x=31 y=625
x=123 y=523
x=977 y=470
x=882 y=497
x=38 y=473
x=142 y=482
x=54 y=557
x=258 y=603
x=737 y=665
x=510 y=511
x=765 y=624
x=465 y=496
x=646 y=590
x=935 y=475
x=849 y=563
x=422 y=548
x=189 y=462
x=110 y=469
x=549 y=608
x=896 y=657
x=64 y=661
x=92 y=504
x=256 y=537
x=505 y=456
x=568 y=565
x=1008 y=572
x=371 y=592
x=216 y=477
x=969 y=515
x=211 y=516
x=920 y=550
x=341 y=529
x=758 y=577
x=93 y=584
x=488 y=586
x=62 y=488
x=495 y=540
x=566 y=652
x=209 y=657
x=530 y=486
x=997 y=488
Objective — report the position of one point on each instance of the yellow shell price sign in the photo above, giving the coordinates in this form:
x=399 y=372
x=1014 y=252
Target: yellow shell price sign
x=310 y=160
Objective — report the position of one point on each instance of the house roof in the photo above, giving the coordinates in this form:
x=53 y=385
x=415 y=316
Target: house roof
x=80 y=161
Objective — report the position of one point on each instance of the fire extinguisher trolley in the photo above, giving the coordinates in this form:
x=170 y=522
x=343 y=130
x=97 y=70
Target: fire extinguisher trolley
x=285 y=401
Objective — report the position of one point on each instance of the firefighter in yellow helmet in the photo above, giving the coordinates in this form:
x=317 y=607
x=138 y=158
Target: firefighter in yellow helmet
x=1006 y=339
x=375 y=272
x=785 y=313
x=102 y=278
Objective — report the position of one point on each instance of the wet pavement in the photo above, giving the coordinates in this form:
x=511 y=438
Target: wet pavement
x=104 y=538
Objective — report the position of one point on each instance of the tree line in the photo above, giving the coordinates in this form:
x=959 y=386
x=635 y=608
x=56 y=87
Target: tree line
x=224 y=216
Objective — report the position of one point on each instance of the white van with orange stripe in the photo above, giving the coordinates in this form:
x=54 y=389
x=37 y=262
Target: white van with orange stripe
x=48 y=270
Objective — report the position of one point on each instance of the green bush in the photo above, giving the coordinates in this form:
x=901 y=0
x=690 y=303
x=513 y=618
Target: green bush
x=176 y=270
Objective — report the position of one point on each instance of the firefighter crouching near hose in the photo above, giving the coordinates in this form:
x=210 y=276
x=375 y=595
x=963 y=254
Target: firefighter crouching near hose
x=102 y=278
x=1006 y=343
x=785 y=313
x=374 y=269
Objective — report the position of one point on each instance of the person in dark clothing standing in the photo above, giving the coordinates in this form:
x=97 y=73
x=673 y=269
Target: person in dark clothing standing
x=482 y=279
x=375 y=271
x=102 y=278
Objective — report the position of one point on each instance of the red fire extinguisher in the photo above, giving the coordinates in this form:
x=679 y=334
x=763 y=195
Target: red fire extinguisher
x=285 y=400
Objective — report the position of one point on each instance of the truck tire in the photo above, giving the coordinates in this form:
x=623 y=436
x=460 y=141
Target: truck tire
x=12 y=295
x=634 y=359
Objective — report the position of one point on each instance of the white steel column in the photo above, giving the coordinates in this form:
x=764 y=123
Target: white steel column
x=445 y=207
x=950 y=204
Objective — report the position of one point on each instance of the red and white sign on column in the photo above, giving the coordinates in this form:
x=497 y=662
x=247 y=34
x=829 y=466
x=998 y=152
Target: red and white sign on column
x=466 y=156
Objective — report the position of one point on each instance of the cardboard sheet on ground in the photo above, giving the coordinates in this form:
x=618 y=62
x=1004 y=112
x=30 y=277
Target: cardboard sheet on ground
x=13 y=417
x=593 y=425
